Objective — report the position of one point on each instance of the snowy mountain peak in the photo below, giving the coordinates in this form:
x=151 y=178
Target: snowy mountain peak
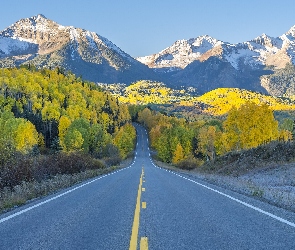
x=291 y=31
x=45 y=43
x=262 y=50
x=181 y=53
x=267 y=41
x=50 y=36
x=39 y=17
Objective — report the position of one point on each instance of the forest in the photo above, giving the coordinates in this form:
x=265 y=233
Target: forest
x=51 y=114
x=189 y=144
x=53 y=122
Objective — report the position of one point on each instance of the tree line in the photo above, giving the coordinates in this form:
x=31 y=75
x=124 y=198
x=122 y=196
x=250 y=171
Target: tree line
x=43 y=110
x=188 y=144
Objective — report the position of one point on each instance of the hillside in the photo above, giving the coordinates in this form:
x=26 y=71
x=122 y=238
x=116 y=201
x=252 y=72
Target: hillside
x=44 y=43
x=56 y=106
x=281 y=83
x=147 y=92
x=216 y=102
x=221 y=100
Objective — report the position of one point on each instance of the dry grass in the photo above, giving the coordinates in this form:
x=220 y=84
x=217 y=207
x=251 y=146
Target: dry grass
x=266 y=173
x=20 y=194
x=241 y=162
x=24 y=178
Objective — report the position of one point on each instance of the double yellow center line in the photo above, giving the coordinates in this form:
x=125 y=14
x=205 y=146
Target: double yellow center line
x=135 y=226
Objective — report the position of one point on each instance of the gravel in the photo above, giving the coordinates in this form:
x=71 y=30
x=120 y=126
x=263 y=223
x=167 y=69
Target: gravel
x=273 y=184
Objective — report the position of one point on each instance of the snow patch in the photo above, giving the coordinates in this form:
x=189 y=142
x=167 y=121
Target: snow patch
x=181 y=53
x=8 y=45
x=74 y=35
x=90 y=37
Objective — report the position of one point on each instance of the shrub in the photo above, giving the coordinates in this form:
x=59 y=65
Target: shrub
x=189 y=163
x=113 y=161
x=26 y=168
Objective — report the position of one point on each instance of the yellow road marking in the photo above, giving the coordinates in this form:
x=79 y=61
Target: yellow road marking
x=144 y=243
x=143 y=204
x=135 y=226
x=143 y=189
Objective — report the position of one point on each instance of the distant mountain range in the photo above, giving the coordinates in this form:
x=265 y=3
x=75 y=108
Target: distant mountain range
x=207 y=63
x=204 y=63
x=261 y=51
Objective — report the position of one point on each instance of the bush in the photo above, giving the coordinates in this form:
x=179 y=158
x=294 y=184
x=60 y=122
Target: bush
x=27 y=168
x=113 y=161
x=189 y=163
x=13 y=173
x=240 y=162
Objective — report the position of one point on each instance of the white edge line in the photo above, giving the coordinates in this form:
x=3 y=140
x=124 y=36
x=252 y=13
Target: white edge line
x=241 y=202
x=46 y=201
x=55 y=197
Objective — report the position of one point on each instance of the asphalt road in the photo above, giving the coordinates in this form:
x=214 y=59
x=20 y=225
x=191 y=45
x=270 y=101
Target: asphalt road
x=159 y=209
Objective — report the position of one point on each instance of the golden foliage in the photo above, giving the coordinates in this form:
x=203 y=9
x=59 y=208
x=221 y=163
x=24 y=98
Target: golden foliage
x=249 y=126
x=178 y=154
x=222 y=100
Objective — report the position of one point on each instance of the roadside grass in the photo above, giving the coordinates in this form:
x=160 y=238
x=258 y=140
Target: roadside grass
x=265 y=173
x=241 y=162
x=34 y=177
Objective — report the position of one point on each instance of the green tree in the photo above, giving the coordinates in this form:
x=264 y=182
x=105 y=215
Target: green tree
x=73 y=140
x=125 y=139
x=79 y=130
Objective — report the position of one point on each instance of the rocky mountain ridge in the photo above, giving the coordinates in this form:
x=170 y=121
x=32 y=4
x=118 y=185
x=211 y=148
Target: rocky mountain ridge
x=45 y=43
x=203 y=63
x=206 y=63
x=261 y=51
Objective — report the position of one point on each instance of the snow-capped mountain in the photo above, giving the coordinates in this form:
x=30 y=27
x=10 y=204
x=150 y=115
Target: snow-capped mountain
x=261 y=51
x=206 y=63
x=45 y=43
x=181 y=53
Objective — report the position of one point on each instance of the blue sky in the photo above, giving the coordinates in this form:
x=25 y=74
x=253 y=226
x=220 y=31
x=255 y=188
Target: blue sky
x=144 y=27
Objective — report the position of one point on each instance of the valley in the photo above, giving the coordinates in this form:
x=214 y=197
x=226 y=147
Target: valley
x=203 y=63
x=188 y=148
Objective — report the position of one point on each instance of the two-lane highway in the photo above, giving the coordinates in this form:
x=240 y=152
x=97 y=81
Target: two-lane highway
x=146 y=206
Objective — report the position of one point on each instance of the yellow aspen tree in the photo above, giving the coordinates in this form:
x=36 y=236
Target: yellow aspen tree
x=249 y=126
x=178 y=154
x=207 y=140
x=26 y=136
x=64 y=124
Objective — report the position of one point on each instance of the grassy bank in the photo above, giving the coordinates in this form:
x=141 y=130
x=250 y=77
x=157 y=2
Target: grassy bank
x=266 y=173
x=34 y=177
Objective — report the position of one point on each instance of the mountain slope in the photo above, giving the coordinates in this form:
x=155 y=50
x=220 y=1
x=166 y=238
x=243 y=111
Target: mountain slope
x=261 y=51
x=220 y=101
x=45 y=43
x=281 y=83
x=207 y=63
x=181 y=53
